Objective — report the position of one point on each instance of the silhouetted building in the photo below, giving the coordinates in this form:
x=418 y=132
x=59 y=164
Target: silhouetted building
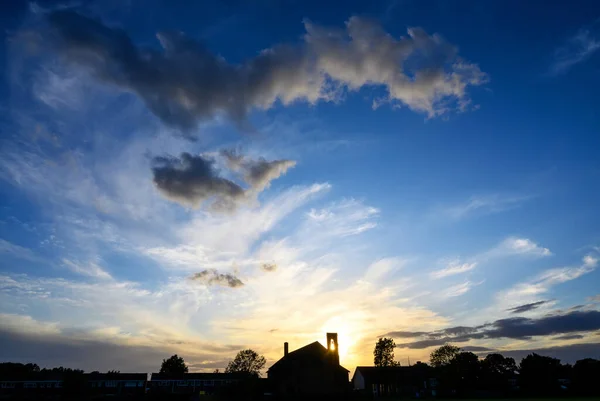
x=193 y=383
x=116 y=383
x=32 y=383
x=392 y=380
x=310 y=370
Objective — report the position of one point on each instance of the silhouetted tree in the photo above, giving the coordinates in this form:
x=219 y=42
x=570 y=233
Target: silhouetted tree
x=586 y=374
x=246 y=361
x=216 y=371
x=496 y=371
x=383 y=354
x=443 y=355
x=539 y=374
x=113 y=372
x=174 y=366
x=464 y=371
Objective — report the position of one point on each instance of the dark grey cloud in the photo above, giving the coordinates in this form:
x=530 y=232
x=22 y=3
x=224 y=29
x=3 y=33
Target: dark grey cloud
x=477 y=349
x=520 y=328
x=566 y=353
x=527 y=307
x=269 y=267
x=184 y=83
x=51 y=351
x=405 y=334
x=569 y=337
x=213 y=277
x=193 y=179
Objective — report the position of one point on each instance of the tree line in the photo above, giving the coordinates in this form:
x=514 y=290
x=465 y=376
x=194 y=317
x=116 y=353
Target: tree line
x=464 y=373
x=246 y=362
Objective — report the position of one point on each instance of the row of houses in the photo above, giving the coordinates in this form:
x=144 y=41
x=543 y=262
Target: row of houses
x=118 y=383
x=311 y=370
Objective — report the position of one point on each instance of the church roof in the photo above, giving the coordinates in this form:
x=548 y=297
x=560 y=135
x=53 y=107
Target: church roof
x=311 y=354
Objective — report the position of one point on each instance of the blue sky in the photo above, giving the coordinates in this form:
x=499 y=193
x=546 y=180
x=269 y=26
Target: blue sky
x=197 y=179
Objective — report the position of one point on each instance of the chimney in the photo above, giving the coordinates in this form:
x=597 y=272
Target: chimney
x=285 y=348
x=332 y=347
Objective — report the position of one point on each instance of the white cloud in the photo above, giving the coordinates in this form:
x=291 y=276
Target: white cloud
x=18 y=251
x=454 y=267
x=482 y=205
x=530 y=290
x=457 y=290
x=522 y=246
x=90 y=269
x=575 y=50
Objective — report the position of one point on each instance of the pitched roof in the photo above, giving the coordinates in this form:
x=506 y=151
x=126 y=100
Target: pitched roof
x=313 y=353
x=199 y=376
x=387 y=373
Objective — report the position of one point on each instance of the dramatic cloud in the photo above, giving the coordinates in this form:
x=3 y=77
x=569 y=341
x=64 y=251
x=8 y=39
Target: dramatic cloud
x=191 y=180
x=213 y=277
x=576 y=49
x=519 y=328
x=185 y=83
x=527 y=307
x=453 y=268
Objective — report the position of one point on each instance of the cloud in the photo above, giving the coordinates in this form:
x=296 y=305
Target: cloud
x=523 y=246
x=569 y=337
x=185 y=83
x=575 y=50
x=269 y=267
x=458 y=289
x=257 y=173
x=405 y=334
x=90 y=269
x=192 y=180
x=519 y=328
x=527 y=307
x=17 y=251
x=453 y=268
x=483 y=205
x=595 y=298
x=212 y=277
x=566 y=353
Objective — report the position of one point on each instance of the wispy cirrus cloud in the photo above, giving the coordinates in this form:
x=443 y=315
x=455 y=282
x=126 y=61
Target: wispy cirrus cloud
x=482 y=205
x=527 y=292
x=454 y=267
x=17 y=251
x=576 y=49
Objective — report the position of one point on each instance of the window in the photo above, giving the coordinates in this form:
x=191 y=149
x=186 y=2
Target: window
x=30 y=385
x=110 y=383
x=181 y=383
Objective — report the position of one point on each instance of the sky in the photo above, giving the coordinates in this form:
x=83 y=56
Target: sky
x=206 y=177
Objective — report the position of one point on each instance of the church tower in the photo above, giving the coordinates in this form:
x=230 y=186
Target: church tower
x=332 y=347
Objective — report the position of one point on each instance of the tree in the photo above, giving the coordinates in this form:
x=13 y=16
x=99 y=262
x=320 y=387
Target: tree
x=383 y=354
x=443 y=355
x=465 y=371
x=539 y=374
x=246 y=361
x=216 y=371
x=174 y=366
x=585 y=375
x=496 y=371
